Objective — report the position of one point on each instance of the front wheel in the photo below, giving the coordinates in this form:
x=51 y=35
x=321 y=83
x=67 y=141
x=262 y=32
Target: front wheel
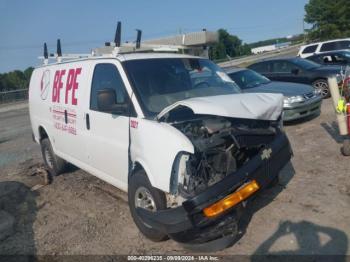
x=322 y=86
x=141 y=194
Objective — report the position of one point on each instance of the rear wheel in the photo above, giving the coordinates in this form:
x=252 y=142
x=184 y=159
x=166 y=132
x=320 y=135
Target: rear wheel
x=141 y=194
x=322 y=86
x=54 y=164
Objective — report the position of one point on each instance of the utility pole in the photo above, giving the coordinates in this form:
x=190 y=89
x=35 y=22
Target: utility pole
x=304 y=34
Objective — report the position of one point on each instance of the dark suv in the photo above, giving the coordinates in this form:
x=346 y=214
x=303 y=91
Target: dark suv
x=298 y=70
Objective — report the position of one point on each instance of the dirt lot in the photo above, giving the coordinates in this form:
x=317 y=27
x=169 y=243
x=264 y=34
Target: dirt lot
x=307 y=213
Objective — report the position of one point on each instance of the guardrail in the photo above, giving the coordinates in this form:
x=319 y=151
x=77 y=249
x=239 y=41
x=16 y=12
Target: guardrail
x=253 y=58
x=13 y=96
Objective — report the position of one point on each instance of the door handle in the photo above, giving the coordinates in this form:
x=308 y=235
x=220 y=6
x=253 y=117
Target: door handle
x=87 y=119
x=66 y=116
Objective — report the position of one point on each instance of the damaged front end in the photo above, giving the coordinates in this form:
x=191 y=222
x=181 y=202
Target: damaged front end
x=222 y=146
x=233 y=158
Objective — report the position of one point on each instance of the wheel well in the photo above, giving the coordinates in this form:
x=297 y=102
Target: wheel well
x=42 y=133
x=137 y=167
x=319 y=78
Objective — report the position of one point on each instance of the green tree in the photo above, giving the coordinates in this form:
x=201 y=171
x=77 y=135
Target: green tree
x=15 y=79
x=329 y=19
x=28 y=73
x=228 y=45
x=1 y=84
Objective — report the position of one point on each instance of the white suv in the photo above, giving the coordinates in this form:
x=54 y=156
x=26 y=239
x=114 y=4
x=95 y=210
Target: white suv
x=322 y=47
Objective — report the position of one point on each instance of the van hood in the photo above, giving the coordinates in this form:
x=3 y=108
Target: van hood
x=263 y=106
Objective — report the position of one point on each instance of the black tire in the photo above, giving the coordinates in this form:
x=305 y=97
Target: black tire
x=140 y=180
x=54 y=164
x=322 y=85
x=346 y=147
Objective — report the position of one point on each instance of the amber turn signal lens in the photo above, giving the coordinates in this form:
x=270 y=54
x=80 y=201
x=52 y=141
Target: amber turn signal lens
x=231 y=200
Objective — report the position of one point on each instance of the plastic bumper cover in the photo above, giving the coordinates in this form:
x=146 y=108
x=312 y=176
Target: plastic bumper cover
x=306 y=109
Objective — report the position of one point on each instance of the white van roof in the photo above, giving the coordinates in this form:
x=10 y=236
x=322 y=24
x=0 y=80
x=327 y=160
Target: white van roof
x=136 y=56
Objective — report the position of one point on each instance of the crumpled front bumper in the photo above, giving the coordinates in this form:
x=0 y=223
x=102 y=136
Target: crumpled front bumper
x=187 y=223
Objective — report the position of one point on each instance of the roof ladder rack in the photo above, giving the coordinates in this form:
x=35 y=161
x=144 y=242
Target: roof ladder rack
x=59 y=51
x=46 y=54
x=195 y=42
x=59 y=56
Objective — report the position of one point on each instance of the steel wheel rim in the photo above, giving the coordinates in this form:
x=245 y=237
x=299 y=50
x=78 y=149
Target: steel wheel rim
x=144 y=199
x=323 y=87
x=48 y=158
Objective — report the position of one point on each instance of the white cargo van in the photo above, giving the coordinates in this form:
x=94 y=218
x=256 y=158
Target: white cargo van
x=171 y=130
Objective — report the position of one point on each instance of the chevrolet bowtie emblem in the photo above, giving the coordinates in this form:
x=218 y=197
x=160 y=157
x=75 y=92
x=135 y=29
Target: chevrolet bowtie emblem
x=266 y=154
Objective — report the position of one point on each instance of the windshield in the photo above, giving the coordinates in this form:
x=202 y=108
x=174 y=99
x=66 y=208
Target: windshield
x=305 y=64
x=345 y=54
x=248 y=78
x=161 y=82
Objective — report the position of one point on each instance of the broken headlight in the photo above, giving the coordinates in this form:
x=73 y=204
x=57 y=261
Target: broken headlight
x=288 y=101
x=179 y=171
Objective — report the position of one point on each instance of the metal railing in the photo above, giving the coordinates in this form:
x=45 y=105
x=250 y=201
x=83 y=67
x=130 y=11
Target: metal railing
x=13 y=96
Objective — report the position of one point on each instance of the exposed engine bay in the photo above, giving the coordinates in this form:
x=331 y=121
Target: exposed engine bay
x=222 y=145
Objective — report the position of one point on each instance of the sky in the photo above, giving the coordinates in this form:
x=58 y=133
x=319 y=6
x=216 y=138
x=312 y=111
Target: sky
x=85 y=24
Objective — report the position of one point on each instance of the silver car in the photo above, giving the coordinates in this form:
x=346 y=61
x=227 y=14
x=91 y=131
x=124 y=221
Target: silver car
x=300 y=100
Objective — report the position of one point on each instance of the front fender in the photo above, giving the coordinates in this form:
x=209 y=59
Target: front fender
x=155 y=146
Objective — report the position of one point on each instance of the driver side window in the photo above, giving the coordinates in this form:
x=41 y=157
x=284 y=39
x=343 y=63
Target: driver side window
x=106 y=76
x=282 y=67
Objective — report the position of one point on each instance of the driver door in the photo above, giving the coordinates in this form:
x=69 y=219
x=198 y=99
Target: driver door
x=108 y=134
x=286 y=71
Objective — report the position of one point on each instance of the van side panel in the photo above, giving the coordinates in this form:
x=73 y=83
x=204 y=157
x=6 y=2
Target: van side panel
x=59 y=101
x=39 y=103
x=57 y=98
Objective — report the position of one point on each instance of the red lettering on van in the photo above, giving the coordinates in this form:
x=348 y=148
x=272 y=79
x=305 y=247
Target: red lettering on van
x=75 y=86
x=54 y=88
x=57 y=85
x=134 y=123
x=71 y=86
x=69 y=83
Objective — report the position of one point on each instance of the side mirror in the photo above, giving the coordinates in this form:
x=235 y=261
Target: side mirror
x=107 y=102
x=295 y=71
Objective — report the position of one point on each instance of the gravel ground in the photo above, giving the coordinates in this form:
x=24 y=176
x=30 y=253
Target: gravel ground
x=307 y=213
